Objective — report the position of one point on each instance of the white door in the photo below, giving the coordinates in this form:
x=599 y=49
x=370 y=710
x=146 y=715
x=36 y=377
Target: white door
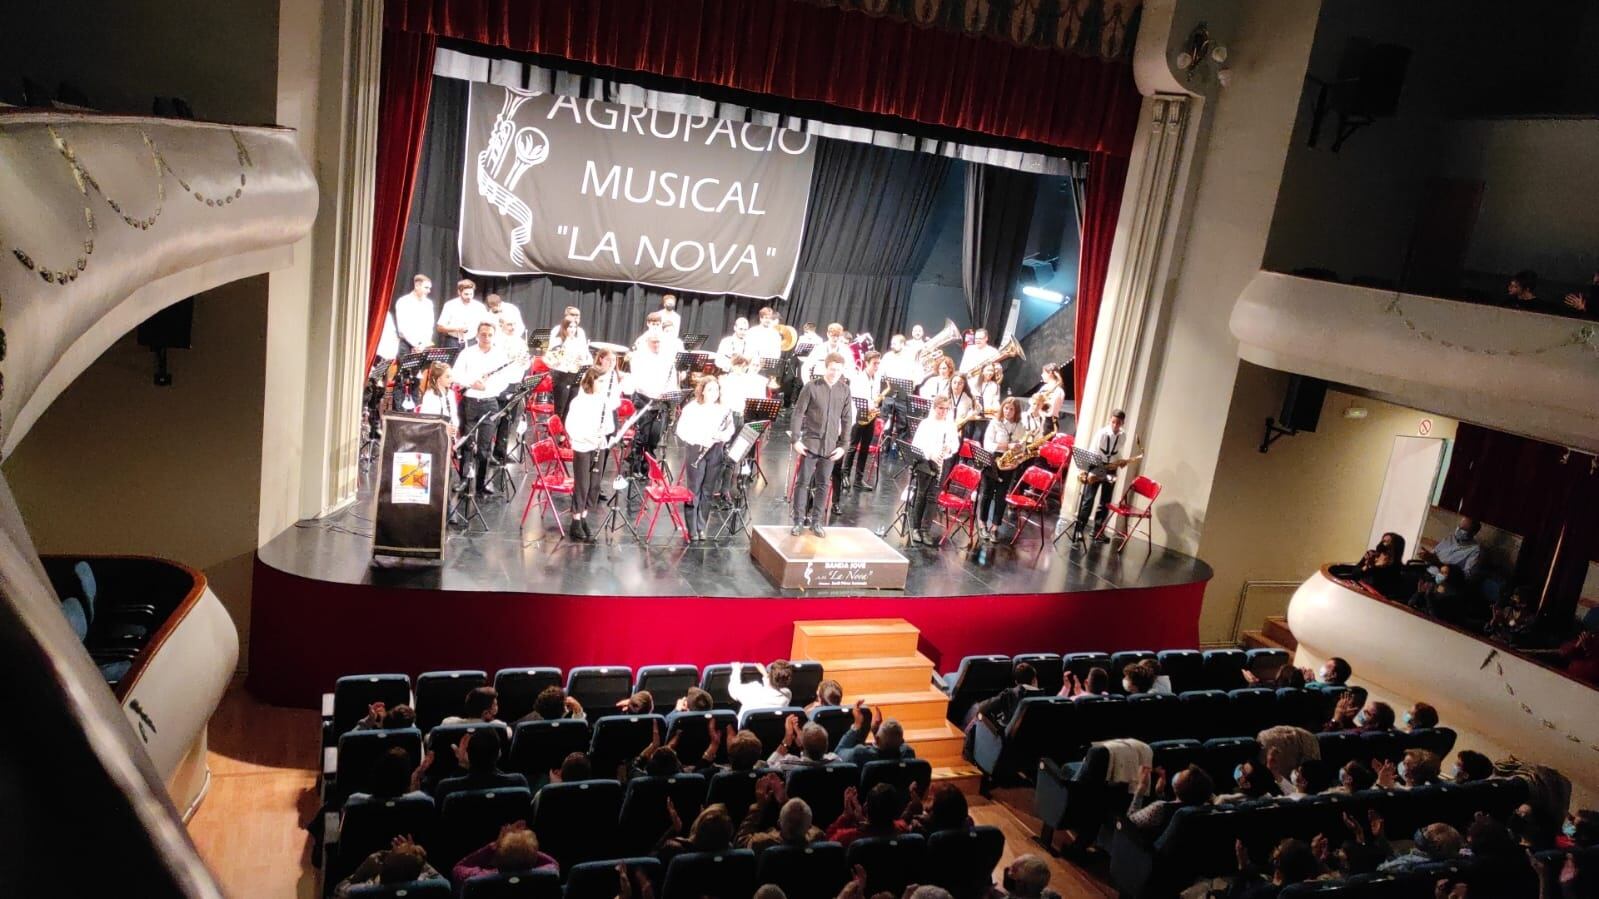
x=1413 y=467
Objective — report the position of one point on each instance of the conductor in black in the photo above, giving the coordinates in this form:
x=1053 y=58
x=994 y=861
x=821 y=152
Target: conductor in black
x=821 y=417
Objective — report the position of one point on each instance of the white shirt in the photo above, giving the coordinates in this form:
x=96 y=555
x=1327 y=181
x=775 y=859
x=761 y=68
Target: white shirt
x=671 y=323
x=1108 y=445
x=730 y=346
x=588 y=421
x=509 y=313
x=474 y=363
x=458 y=315
x=999 y=435
x=764 y=342
x=937 y=385
x=736 y=388
x=755 y=694
x=389 y=339
x=806 y=343
x=652 y=373
x=437 y=403
x=963 y=406
x=1057 y=398
x=575 y=357
x=914 y=346
x=702 y=424
x=902 y=365
x=413 y=318
x=991 y=395
x=977 y=356
x=818 y=357
x=936 y=439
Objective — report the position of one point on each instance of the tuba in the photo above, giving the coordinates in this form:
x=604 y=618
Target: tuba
x=930 y=350
x=1011 y=350
x=789 y=336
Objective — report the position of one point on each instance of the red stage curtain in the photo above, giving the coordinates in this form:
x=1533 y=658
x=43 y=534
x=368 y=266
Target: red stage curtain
x=406 y=85
x=1107 y=175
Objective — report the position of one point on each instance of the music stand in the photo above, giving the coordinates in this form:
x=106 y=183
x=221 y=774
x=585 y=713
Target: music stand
x=445 y=354
x=696 y=362
x=736 y=519
x=907 y=494
x=917 y=408
x=764 y=413
x=538 y=340
x=694 y=341
x=615 y=518
x=1087 y=460
x=982 y=457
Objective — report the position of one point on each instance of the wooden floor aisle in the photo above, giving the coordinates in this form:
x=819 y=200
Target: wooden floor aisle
x=263 y=786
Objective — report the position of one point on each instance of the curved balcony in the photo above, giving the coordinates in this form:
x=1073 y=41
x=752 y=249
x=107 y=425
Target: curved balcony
x=1499 y=702
x=108 y=219
x=1525 y=372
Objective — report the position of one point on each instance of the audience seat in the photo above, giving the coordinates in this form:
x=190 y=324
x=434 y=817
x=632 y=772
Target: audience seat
x=1051 y=673
x=576 y=822
x=1039 y=722
x=1097 y=718
x=357 y=754
x=369 y=826
x=436 y=888
x=978 y=678
x=816 y=871
x=543 y=884
x=1221 y=755
x=539 y=747
x=693 y=732
x=890 y=862
x=1204 y=714
x=1339 y=748
x=354 y=694
x=714 y=680
x=808 y=675
x=644 y=816
x=1299 y=708
x=1388 y=746
x=901 y=774
x=1438 y=740
x=1185 y=667
x=620 y=738
x=598 y=880
x=822 y=788
x=1250 y=710
x=519 y=687
x=963 y=861
x=1080 y=663
x=768 y=724
x=598 y=688
x=1152 y=717
x=666 y=683
x=1264 y=663
x=440 y=694
x=725 y=875
x=736 y=790
x=471 y=818
x=836 y=719
x=1224 y=669
x=442 y=740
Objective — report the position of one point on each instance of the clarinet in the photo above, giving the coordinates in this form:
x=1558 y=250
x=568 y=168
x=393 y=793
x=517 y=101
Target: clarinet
x=706 y=450
x=605 y=409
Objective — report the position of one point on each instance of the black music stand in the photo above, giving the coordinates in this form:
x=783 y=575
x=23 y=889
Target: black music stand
x=538 y=340
x=766 y=412
x=616 y=516
x=695 y=362
x=694 y=341
x=1086 y=460
x=743 y=455
x=907 y=494
x=983 y=458
x=917 y=408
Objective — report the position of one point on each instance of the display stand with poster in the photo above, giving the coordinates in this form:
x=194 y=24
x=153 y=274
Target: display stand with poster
x=413 y=487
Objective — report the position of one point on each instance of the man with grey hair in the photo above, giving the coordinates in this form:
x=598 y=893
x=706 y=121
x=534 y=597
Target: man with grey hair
x=1434 y=843
x=1027 y=878
x=811 y=741
x=888 y=738
x=774 y=820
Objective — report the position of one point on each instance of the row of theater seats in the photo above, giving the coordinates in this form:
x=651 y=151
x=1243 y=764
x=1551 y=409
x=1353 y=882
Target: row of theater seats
x=961 y=861
x=1199 y=840
x=438 y=694
x=980 y=677
x=603 y=819
x=1076 y=796
x=1061 y=729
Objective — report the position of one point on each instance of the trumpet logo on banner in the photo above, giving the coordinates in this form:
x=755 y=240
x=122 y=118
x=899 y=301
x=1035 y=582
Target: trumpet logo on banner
x=589 y=189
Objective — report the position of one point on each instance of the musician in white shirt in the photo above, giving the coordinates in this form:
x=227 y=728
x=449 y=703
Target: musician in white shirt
x=413 y=316
x=655 y=323
x=1107 y=442
x=704 y=426
x=567 y=356
x=817 y=357
x=899 y=363
x=1054 y=390
x=652 y=373
x=808 y=339
x=864 y=385
x=938 y=384
x=1001 y=435
x=917 y=341
x=734 y=344
x=388 y=339
x=741 y=384
x=485 y=370
x=590 y=421
x=979 y=353
x=459 y=318
x=506 y=314
x=990 y=388
x=764 y=340
x=963 y=406
x=936 y=440
x=671 y=322
x=438 y=396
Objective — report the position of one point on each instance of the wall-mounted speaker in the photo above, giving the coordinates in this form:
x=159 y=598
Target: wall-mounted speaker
x=1370 y=78
x=1302 y=403
x=170 y=329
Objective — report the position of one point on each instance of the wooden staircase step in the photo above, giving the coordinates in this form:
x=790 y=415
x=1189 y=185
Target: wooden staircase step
x=1258 y=640
x=965 y=776
x=913 y=710
x=1276 y=629
x=881 y=674
x=940 y=746
x=854 y=639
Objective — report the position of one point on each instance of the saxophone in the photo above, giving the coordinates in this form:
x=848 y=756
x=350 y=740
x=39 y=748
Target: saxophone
x=1023 y=450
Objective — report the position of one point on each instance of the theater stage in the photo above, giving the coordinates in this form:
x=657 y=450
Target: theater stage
x=322 y=608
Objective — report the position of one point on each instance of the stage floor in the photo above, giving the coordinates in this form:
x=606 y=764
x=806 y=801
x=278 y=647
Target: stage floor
x=506 y=559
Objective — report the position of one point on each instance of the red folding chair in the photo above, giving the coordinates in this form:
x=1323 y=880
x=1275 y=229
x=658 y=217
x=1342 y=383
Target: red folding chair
x=547 y=479
x=1129 y=510
x=958 y=501
x=1030 y=498
x=661 y=492
x=540 y=403
x=557 y=431
x=1056 y=455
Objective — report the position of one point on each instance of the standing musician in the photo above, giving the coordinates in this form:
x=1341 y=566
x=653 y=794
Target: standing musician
x=438 y=396
x=808 y=339
x=389 y=338
x=867 y=385
x=1108 y=442
x=590 y=421
x=704 y=426
x=734 y=344
x=899 y=362
x=917 y=340
x=484 y=370
x=568 y=355
x=964 y=409
x=459 y=318
x=1054 y=391
x=979 y=353
x=990 y=388
x=509 y=317
x=652 y=374
x=1035 y=418
x=835 y=345
x=936 y=440
x=764 y=341
x=671 y=322
x=413 y=316
x=822 y=414
x=1004 y=432
x=937 y=384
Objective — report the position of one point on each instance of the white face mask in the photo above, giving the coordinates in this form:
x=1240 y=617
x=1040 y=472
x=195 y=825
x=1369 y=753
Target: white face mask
x=1127 y=687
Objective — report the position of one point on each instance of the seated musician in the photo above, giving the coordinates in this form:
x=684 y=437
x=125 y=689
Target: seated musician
x=834 y=345
x=734 y=344
x=936 y=440
x=1002 y=434
x=484 y=370
x=990 y=387
x=865 y=385
x=438 y=395
x=742 y=384
x=938 y=383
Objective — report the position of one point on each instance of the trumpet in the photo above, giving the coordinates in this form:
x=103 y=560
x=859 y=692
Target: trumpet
x=930 y=351
x=1011 y=350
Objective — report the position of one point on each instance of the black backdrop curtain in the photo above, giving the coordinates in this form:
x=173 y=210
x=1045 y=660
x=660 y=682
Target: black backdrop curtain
x=867 y=235
x=999 y=213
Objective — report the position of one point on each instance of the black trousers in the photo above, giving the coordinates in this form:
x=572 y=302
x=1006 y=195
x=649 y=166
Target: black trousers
x=991 y=501
x=1085 y=506
x=477 y=413
x=702 y=477
x=926 y=484
x=563 y=386
x=813 y=473
x=586 y=480
x=647 y=433
x=860 y=444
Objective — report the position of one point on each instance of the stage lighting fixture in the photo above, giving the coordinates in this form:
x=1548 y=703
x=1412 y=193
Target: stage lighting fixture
x=1044 y=293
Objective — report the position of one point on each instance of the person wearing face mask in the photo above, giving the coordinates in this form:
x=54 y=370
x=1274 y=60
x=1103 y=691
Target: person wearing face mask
x=1349 y=705
x=1137 y=678
x=1460 y=549
x=1471 y=766
x=1418 y=768
x=1442 y=594
x=1581 y=831
x=1375 y=716
x=1420 y=716
x=1354 y=777
x=1311 y=778
x=1251 y=780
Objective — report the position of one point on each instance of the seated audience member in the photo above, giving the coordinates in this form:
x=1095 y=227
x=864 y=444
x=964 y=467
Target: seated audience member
x=695 y=700
x=1471 y=766
x=945 y=808
x=1137 y=678
x=552 y=704
x=1375 y=716
x=1292 y=861
x=773 y=819
x=392 y=777
x=482 y=706
x=575 y=767
x=1354 y=777
x=1386 y=576
x=1159 y=683
x=1535 y=824
x=1348 y=707
x=1521 y=291
x=1586 y=300
x=1434 y=843
x=1354 y=857
x=1443 y=595
x=516 y=849
x=479 y=754
x=879 y=817
x=1096 y=684
x=1391 y=542
x=744 y=751
x=887 y=735
x=1514 y=622
x=1191 y=786
x=1251 y=780
x=1311 y=778
x=1284 y=746
x=379 y=718
x=712 y=831
x=1420 y=716
x=1459 y=550
x=828 y=693
x=1418 y=768
x=640 y=703
x=770 y=692
x=1580 y=657
x=1025 y=878
x=662 y=761
x=998 y=709
x=1335 y=672
x=811 y=740
x=403 y=863
x=1492 y=841
x=1580 y=831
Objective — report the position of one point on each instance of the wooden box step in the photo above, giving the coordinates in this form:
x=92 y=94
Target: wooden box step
x=1257 y=640
x=882 y=674
x=1276 y=629
x=860 y=638
x=914 y=710
x=965 y=776
x=940 y=746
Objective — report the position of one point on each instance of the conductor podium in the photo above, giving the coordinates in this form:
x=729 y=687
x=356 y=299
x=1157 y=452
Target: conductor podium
x=852 y=558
